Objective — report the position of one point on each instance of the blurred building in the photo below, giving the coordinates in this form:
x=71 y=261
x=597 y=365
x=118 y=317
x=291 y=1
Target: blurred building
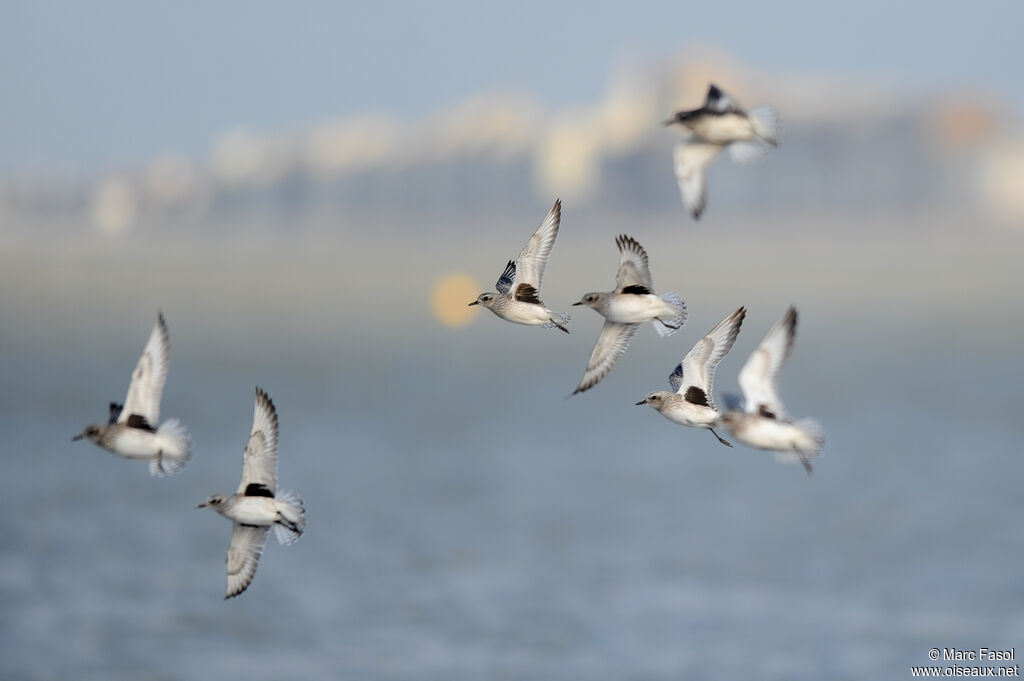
x=855 y=148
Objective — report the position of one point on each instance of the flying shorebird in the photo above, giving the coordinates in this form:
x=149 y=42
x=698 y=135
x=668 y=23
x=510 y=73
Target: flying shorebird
x=257 y=505
x=520 y=302
x=691 y=402
x=130 y=430
x=719 y=123
x=632 y=303
x=759 y=419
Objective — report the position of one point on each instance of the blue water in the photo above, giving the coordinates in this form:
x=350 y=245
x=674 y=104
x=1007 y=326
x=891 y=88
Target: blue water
x=467 y=521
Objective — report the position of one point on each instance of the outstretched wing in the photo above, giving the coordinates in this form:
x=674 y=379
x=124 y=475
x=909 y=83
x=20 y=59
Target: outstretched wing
x=529 y=268
x=759 y=376
x=507 y=277
x=634 y=269
x=697 y=370
x=692 y=159
x=259 y=465
x=244 y=553
x=611 y=344
x=719 y=102
x=147 y=385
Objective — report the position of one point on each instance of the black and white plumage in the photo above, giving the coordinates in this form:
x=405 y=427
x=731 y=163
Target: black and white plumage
x=518 y=289
x=632 y=303
x=257 y=505
x=131 y=429
x=760 y=420
x=720 y=122
x=691 y=402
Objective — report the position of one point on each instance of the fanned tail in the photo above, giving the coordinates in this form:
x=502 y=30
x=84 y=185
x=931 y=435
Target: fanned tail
x=293 y=524
x=808 y=449
x=552 y=324
x=749 y=151
x=667 y=327
x=176 y=449
x=766 y=123
x=815 y=431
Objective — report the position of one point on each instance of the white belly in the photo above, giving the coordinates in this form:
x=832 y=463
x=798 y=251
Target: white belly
x=133 y=443
x=637 y=309
x=260 y=511
x=723 y=129
x=693 y=415
x=775 y=435
x=525 y=313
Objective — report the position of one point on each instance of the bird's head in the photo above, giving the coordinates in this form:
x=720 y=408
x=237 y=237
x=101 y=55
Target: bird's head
x=214 y=502
x=592 y=299
x=655 y=399
x=91 y=432
x=485 y=299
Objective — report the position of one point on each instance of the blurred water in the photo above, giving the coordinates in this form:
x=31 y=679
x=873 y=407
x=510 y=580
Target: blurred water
x=467 y=521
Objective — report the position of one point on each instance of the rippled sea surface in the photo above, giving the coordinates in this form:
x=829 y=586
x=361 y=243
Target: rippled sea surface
x=466 y=520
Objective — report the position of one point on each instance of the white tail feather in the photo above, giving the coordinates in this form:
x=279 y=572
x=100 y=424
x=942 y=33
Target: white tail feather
x=561 y=315
x=670 y=326
x=295 y=514
x=749 y=151
x=815 y=431
x=766 y=123
x=176 y=451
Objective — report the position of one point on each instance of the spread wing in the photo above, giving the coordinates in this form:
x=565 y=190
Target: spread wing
x=147 y=385
x=634 y=269
x=244 y=553
x=504 y=284
x=697 y=370
x=692 y=159
x=759 y=376
x=719 y=102
x=611 y=344
x=259 y=466
x=529 y=268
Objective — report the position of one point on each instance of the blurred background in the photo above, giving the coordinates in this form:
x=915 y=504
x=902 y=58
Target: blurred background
x=313 y=194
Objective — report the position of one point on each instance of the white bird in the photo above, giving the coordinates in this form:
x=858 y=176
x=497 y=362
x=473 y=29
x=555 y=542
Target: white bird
x=257 y=505
x=632 y=303
x=691 y=402
x=760 y=419
x=520 y=302
x=720 y=122
x=130 y=430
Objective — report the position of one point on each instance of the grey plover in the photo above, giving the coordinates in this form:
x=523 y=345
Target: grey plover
x=691 y=403
x=759 y=419
x=518 y=289
x=632 y=303
x=718 y=123
x=130 y=430
x=257 y=505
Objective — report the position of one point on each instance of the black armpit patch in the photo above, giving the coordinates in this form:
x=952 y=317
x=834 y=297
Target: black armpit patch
x=527 y=294
x=695 y=395
x=257 y=489
x=139 y=421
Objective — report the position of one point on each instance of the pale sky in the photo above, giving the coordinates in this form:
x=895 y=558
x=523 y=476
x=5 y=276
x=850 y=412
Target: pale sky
x=112 y=82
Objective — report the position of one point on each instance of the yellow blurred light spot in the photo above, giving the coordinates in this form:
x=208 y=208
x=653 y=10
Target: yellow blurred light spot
x=451 y=297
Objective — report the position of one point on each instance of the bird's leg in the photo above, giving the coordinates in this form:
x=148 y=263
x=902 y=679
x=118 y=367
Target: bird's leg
x=720 y=438
x=664 y=323
x=807 y=465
